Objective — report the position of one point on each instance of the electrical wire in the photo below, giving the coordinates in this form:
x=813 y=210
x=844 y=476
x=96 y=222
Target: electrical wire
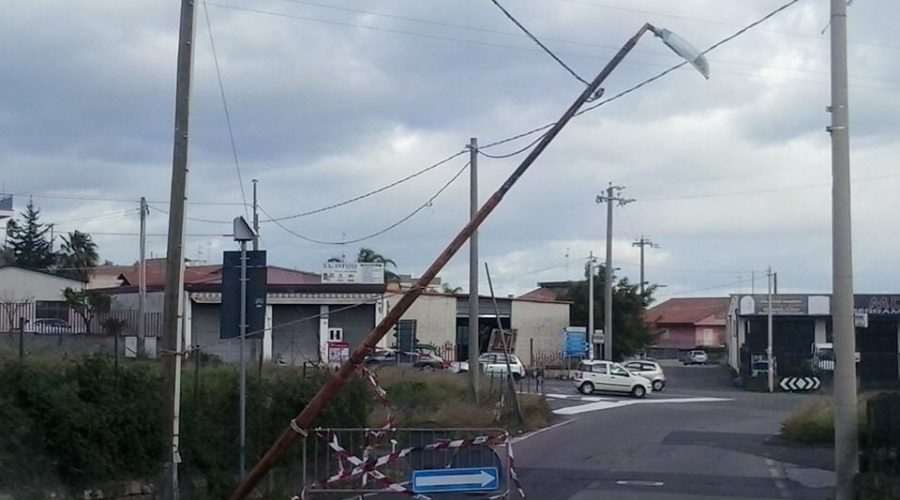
x=107 y=215
x=234 y=154
x=195 y=219
x=370 y=193
x=514 y=153
x=54 y=196
x=539 y=43
x=651 y=79
x=376 y=233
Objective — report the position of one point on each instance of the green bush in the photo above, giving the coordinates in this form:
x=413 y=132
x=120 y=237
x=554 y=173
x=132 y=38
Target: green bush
x=83 y=423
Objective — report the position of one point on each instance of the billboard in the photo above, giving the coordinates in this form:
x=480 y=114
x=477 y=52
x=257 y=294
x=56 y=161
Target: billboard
x=230 y=314
x=353 y=272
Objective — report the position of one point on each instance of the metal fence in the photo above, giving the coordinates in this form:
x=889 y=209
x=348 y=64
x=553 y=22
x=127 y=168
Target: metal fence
x=25 y=315
x=368 y=460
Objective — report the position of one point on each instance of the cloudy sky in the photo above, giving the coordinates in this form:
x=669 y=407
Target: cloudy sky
x=330 y=99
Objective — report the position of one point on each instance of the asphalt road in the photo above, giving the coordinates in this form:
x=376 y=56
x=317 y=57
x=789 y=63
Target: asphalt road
x=719 y=443
x=700 y=438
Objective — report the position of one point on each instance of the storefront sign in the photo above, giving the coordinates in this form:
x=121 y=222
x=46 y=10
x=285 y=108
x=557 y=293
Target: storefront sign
x=885 y=305
x=353 y=272
x=338 y=352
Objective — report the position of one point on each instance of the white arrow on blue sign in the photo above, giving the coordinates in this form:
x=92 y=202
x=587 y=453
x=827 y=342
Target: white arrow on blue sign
x=455 y=480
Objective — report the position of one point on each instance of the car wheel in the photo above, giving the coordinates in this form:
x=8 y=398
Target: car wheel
x=428 y=368
x=586 y=388
x=658 y=385
x=638 y=391
x=517 y=376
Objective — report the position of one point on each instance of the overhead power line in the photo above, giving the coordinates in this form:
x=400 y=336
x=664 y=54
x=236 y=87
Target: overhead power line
x=376 y=233
x=539 y=43
x=368 y=194
x=234 y=155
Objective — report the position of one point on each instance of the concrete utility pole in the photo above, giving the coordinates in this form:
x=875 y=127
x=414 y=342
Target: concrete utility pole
x=255 y=218
x=770 y=359
x=474 y=347
x=590 y=325
x=846 y=444
x=142 y=276
x=172 y=298
x=612 y=196
x=643 y=242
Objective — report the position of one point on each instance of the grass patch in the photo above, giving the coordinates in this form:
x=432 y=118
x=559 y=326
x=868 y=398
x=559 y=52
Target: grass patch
x=813 y=421
x=443 y=399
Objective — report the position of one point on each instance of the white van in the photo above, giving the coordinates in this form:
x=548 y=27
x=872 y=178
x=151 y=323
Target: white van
x=605 y=376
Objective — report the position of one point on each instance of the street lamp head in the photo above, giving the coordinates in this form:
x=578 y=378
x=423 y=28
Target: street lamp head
x=684 y=49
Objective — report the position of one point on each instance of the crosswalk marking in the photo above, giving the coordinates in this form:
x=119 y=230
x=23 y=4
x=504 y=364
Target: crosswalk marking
x=618 y=403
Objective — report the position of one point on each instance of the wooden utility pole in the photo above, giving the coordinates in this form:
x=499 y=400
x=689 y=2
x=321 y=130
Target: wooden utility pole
x=172 y=298
x=142 y=277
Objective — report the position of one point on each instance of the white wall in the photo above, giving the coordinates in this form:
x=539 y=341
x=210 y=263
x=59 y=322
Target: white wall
x=542 y=322
x=19 y=285
x=435 y=319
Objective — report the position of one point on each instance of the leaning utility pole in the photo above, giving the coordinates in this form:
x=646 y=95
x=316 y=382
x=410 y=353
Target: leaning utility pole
x=142 y=277
x=612 y=196
x=172 y=298
x=643 y=242
x=846 y=434
x=474 y=303
x=298 y=425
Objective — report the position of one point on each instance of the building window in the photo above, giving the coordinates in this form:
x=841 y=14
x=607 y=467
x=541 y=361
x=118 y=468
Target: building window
x=51 y=309
x=335 y=334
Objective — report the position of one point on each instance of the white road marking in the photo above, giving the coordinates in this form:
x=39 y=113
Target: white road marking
x=577 y=398
x=779 y=483
x=608 y=404
x=535 y=433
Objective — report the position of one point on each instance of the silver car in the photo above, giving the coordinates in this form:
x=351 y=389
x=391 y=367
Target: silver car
x=650 y=370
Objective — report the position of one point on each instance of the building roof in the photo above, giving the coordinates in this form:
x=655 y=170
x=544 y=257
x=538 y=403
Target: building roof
x=43 y=271
x=541 y=295
x=709 y=311
x=200 y=275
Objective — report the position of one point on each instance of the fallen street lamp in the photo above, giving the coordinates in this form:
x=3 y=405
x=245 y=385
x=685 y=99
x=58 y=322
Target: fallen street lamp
x=301 y=422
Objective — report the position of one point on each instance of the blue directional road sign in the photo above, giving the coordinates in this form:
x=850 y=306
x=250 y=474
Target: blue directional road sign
x=455 y=480
x=575 y=340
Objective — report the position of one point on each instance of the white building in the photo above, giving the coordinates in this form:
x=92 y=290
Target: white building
x=32 y=294
x=442 y=320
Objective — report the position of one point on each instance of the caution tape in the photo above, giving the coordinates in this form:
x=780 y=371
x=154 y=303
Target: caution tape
x=367 y=467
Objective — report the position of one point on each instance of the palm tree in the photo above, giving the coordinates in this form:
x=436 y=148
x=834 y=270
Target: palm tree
x=78 y=255
x=369 y=255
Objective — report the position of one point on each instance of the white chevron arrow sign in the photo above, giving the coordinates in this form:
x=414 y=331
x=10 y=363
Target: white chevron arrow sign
x=792 y=384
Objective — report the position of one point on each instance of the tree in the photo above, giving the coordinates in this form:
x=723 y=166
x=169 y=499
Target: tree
x=78 y=255
x=450 y=290
x=369 y=255
x=28 y=241
x=87 y=304
x=631 y=334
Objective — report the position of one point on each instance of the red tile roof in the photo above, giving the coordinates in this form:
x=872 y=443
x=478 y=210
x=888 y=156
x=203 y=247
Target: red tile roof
x=710 y=311
x=198 y=275
x=541 y=295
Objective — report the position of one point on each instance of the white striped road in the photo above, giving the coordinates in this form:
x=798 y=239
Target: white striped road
x=599 y=404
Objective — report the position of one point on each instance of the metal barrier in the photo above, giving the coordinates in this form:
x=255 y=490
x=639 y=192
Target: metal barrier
x=410 y=461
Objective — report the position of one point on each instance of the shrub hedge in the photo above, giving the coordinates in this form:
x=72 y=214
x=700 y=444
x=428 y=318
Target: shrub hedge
x=83 y=423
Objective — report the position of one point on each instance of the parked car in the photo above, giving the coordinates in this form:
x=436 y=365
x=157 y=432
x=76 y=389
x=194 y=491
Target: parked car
x=696 y=358
x=381 y=356
x=429 y=360
x=51 y=326
x=650 y=370
x=495 y=363
x=604 y=376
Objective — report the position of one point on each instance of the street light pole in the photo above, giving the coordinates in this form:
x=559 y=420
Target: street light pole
x=304 y=419
x=846 y=444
